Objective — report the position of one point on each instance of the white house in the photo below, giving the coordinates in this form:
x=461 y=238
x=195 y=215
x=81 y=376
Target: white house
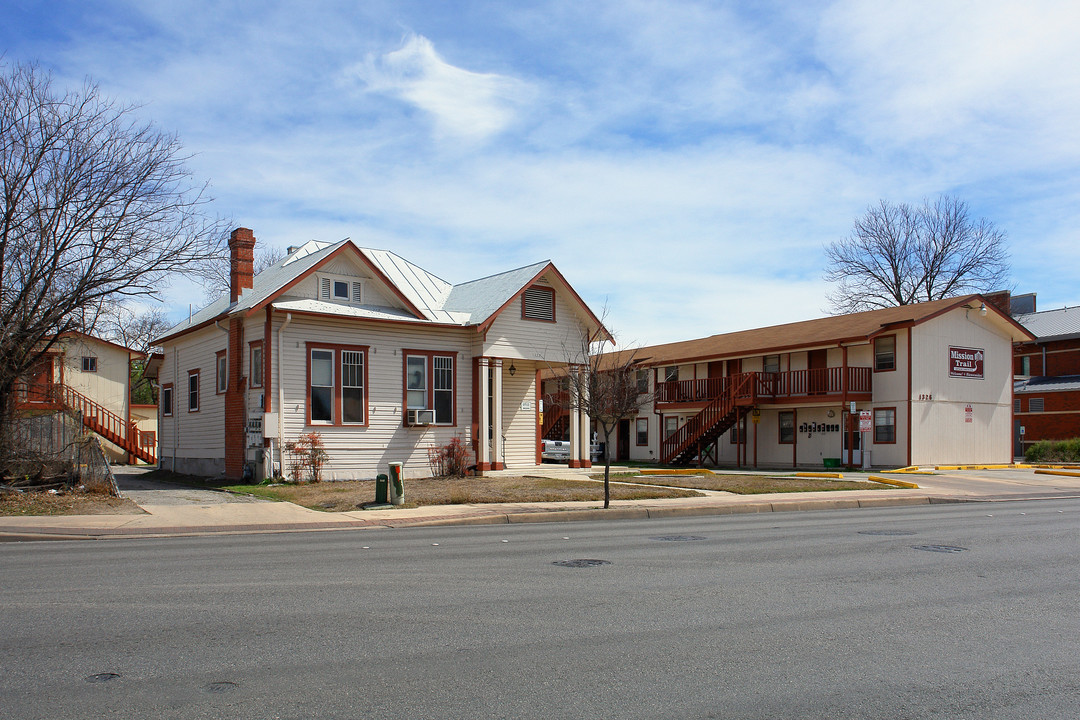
x=381 y=357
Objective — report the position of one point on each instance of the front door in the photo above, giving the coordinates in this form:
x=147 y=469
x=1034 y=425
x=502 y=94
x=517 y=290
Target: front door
x=817 y=361
x=40 y=381
x=1018 y=439
x=622 y=441
x=856 y=455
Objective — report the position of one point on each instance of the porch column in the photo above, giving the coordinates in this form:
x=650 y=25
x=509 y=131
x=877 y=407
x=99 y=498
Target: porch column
x=586 y=437
x=483 y=442
x=574 y=460
x=496 y=419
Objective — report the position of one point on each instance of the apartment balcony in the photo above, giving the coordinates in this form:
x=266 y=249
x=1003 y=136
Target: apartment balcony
x=794 y=387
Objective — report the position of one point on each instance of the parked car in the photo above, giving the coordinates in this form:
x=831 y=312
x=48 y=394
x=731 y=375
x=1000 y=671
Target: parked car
x=559 y=451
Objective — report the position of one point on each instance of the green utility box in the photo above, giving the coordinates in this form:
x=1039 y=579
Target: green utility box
x=832 y=462
x=381 y=483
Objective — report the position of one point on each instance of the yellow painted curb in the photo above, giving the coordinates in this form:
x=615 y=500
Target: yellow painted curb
x=834 y=476
x=1066 y=473
x=973 y=467
x=677 y=471
x=897 y=483
x=912 y=470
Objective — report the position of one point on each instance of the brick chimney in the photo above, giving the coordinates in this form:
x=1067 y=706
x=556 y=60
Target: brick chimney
x=241 y=262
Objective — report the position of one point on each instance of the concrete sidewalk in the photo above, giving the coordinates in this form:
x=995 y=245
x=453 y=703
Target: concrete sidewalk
x=173 y=519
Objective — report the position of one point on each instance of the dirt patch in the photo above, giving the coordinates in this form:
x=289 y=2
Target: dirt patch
x=69 y=503
x=350 y=494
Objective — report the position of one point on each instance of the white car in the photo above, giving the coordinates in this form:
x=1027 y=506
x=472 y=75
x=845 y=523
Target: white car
x=559 y=451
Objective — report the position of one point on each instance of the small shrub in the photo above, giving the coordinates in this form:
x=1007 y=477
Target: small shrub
x=1049 y=451
x=450 y=460
x=307 y=456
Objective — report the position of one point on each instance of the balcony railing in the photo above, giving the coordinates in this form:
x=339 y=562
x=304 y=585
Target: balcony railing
x=771 y=386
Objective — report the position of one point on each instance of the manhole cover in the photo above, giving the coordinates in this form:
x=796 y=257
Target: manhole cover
x=220 y=687
x=102 y=677
x=940 y=548
x=679 y=538
x=581 y=563
x=886 y=532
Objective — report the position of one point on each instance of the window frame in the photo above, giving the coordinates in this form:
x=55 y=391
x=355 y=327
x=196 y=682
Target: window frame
x=883 y=411
x=253 y=366
x=524 y=303
x=675 y=429
x=641 y=377
x=671 y=373
x=221 y=356
x=765 y=363
x=166 y=399
x=336 y=384
x=780 y=417
x=429 y=388
x=196 y=393
x=89 y=363
x=877 y=355
x=738 y=432
x=639 y=433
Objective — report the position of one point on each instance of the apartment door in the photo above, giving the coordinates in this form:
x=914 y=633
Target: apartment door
x=622 y=441
x=817 y=361
x=856 y=455
x=40 y=381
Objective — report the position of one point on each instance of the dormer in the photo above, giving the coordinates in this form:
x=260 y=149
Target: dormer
x=339 y=288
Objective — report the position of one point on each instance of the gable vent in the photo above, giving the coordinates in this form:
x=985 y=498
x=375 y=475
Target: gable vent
x=538 y=304
x=357 y=292
x=324 y=288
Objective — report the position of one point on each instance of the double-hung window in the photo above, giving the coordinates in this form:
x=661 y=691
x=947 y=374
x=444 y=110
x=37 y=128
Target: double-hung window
x=193 y=390
x=222 y=368
x=787 y=427
x=430 y=384
x=642 y=431
x=885 y=425
x=885 y=353
x=337 y=384
x=256 y=370
x=166 y=399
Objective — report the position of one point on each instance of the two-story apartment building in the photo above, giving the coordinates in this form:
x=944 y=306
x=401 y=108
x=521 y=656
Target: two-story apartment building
x=929 y=383
x=382 y=358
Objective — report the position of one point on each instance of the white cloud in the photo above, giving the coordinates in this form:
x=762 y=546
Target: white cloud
x=463 y=103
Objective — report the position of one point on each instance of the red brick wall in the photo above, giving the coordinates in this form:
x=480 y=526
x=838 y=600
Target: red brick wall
x=235 y=412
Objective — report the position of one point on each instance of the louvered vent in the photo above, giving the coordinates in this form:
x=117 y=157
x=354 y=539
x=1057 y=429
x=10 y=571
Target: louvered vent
x=538 y=304
x=324 y=288
x=357 y=292
x=1035 y=405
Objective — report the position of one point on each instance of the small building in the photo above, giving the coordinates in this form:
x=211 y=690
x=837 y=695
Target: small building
x=919 y=384
x=1046 y=405
x=92 y=377
x=383 y=359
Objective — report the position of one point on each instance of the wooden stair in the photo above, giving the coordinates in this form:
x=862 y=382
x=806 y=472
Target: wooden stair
x=117 y=430
x=715 y=419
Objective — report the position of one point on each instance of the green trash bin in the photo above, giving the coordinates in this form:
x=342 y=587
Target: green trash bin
x=381 y=483
x=397 y=484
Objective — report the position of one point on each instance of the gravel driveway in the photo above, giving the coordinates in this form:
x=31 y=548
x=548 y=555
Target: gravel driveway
x=148 y=492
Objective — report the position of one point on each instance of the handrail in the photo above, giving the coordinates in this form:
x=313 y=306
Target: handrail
x=109 y=425
x=770 y=385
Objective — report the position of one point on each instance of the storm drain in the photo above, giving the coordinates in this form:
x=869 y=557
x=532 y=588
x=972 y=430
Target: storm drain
x=102 y=677
x=679 y=538
x=887 y=532
x=223 y=686
x=939 y=548
x=581 y=563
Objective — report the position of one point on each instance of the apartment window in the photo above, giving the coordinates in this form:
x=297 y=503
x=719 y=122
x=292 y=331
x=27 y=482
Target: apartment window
x=89 y=364
x=256 y=371
x=337 y=384
x=671 y=425
x=771 y=364
x=671 y=374
x=885 y=425
x=642 y=377
x=885 y=353
x=339 y=288
x=430 y=384
x=1025 y=365
x=1035 y=404
x=166 y=399
x=787 y=427
x=738 y=433
x=538 y=303
x=193 y=390
x=222 y=365
x=643 y=431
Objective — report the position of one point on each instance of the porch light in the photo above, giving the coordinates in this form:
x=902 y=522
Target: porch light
x=512 y=369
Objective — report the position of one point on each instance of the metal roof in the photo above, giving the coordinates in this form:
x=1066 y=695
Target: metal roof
x=1047 y=384
x=1049 y=324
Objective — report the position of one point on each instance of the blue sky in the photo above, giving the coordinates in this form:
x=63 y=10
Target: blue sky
x=682 y=163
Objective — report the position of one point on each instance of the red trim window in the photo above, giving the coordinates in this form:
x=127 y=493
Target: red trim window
x=337 y=384
x=255 y=369
x=221 y=383
x=193 y=390
x=885 y=353
x=787 y=427
x=738 y=432
x=89 y=364
x=642 y=431
x=166 y=399
x=538 y=303
x=430 y=383
x=885 y=426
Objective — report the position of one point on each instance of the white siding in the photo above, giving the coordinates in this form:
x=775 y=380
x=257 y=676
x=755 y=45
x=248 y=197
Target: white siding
x=109 y=385
x=519 y=414
x=511 y=336
x=194 y=435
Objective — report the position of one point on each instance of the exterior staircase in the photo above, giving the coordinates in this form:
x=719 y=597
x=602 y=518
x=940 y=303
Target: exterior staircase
x=720 y=415
x=109 y=425
x=556 y=417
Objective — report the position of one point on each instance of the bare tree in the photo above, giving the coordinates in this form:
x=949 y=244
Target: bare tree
x=136 y=330
x=899 y=254
x=604 y=384
x=214 y=273
x=97 y=208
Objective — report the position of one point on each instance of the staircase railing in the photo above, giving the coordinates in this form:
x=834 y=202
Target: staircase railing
x=712 y=416
x=109 y=425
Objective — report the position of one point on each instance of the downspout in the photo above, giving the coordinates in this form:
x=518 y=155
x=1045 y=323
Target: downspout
x=281 y=389
x=176 y=406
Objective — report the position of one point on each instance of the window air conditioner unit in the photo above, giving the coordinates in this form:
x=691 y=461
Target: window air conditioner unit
x=421 y=417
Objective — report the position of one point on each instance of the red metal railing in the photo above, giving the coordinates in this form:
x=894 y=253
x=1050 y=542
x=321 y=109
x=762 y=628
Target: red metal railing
x=555 y=412
x=109 y=425
x=719 y=412
x=771 y=386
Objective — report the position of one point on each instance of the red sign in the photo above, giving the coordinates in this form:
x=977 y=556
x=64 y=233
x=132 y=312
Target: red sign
x=866 y=421
x=966 y=362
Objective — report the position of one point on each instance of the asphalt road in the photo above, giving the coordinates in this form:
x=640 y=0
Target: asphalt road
x=837 y=614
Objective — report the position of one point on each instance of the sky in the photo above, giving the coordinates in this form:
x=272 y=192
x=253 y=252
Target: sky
x=683 y=164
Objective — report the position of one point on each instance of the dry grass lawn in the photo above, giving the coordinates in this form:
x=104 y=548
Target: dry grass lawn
x=42 y=503
x=752 y=484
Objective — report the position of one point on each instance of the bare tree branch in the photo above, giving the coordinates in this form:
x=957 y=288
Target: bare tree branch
x=898 y=255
